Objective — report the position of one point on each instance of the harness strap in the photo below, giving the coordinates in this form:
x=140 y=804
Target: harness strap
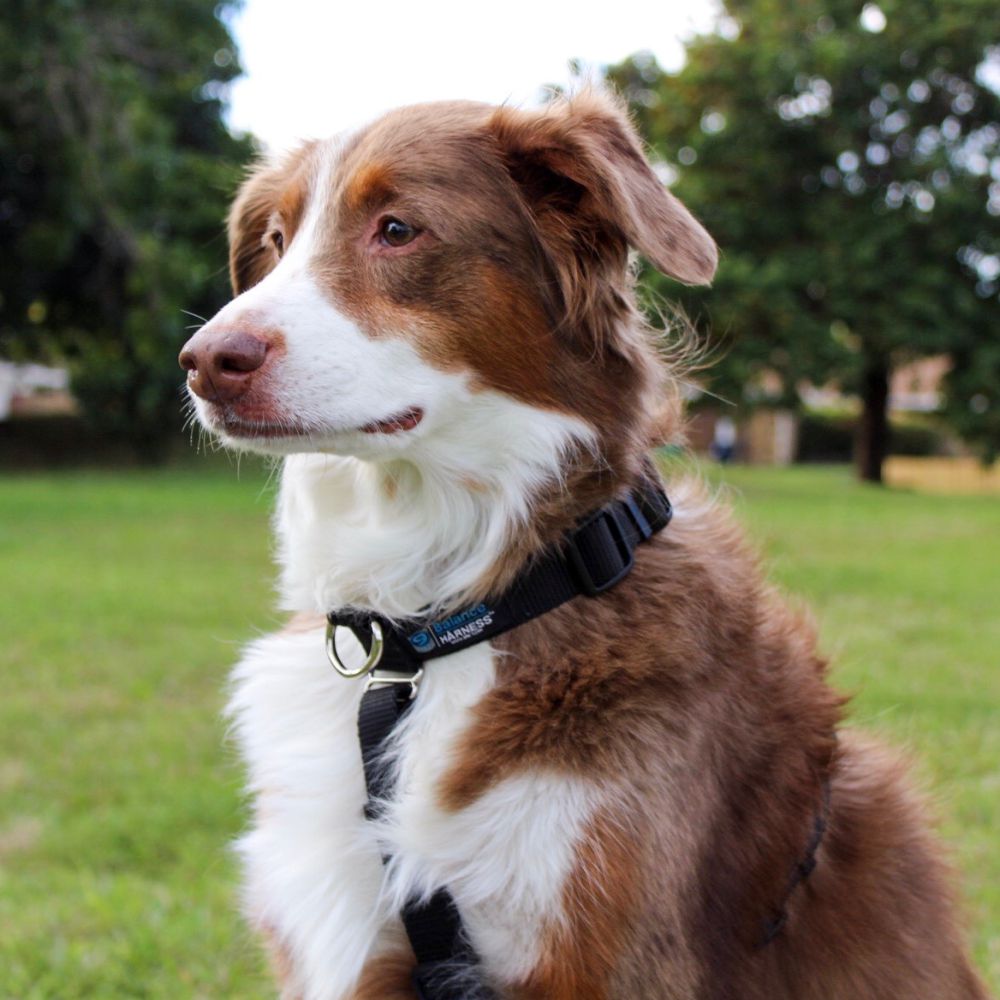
x=433 y=927
x=775 y=924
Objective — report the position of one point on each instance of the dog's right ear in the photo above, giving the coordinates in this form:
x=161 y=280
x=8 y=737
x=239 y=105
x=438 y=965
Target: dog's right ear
x=249 y=218
x=249 y=259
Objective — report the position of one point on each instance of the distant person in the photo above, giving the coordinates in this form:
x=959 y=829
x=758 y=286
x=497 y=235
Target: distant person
x=724 y=439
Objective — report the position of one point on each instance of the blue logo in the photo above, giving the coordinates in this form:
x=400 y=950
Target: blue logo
x=421 y=640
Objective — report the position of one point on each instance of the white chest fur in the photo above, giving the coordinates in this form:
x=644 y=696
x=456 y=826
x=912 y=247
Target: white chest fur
x=395 y=536
x=312 y=863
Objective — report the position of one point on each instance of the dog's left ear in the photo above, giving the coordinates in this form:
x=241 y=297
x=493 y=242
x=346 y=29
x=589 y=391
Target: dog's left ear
x=582 y=156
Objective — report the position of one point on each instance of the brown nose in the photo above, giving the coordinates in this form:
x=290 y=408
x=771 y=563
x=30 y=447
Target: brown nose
x=219 y=366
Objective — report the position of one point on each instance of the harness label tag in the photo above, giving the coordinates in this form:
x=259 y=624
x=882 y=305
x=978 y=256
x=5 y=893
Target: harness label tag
x=455 y=629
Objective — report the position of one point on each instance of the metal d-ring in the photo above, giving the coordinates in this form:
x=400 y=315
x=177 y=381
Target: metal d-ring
x=374 y=654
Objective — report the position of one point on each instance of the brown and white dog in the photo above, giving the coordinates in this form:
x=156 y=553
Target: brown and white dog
x=435 y=324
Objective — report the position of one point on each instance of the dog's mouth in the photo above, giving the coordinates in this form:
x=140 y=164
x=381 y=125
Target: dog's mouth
x=404 y=421
x=241 y=427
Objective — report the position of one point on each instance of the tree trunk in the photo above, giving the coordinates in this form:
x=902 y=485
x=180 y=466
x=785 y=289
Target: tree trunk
x=873 y=428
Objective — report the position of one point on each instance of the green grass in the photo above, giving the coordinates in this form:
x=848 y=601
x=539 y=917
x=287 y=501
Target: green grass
x=125 y=598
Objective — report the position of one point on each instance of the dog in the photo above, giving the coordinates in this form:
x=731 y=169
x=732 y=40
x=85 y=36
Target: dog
x=642 y=793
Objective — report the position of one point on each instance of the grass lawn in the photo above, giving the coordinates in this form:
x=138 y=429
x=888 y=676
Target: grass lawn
x=127 y=594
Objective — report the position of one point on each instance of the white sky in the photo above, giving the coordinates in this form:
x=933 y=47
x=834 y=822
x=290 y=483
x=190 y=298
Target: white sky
x=314 y=67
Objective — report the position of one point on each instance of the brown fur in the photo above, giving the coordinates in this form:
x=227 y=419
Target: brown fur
x=580 y=956
x=690 y=689
x=388 y=976
x=709 y=712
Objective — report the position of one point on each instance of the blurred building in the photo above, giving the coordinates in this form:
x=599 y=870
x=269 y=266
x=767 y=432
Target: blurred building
x=34 y=390
x=768 y=434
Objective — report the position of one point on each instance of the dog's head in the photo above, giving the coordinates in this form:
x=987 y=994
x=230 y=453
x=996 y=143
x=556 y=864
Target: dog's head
x=406 y=278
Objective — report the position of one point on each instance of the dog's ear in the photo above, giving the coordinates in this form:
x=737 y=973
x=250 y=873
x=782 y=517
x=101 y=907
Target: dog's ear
x=581 y=165
x=258 y=197
x=249 y=259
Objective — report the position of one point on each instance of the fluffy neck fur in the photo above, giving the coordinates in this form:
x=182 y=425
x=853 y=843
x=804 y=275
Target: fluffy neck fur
x=434 y=529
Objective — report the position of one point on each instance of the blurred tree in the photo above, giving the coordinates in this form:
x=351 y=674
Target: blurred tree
x=846 y=157
x=115 y=172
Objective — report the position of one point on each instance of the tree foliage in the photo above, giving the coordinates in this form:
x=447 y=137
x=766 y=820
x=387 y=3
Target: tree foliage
x=116 y=170
x=847 y=159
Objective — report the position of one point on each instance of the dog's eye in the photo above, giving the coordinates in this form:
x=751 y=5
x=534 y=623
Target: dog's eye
x=277 y=239
x=395 y=233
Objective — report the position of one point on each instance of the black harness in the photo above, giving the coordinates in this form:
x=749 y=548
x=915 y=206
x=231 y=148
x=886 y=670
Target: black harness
x=589 y=560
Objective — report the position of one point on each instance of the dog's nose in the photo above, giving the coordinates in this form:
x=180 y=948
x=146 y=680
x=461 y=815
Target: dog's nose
x=219 y=366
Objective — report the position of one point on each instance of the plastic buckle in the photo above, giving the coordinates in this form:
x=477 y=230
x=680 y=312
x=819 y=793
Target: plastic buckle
x=650 y=510
x=639 y=519
x=610 y=526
